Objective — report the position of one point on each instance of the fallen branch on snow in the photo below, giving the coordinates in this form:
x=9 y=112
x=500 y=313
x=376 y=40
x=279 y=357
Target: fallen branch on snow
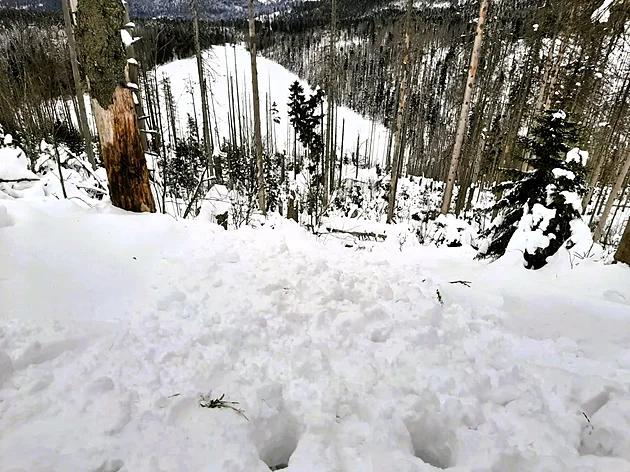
x=14 y=181
x=461 y=282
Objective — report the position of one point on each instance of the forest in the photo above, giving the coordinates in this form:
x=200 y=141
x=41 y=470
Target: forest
x=404 y=70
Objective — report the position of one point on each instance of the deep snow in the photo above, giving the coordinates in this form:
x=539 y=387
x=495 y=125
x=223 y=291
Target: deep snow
x=112 y=325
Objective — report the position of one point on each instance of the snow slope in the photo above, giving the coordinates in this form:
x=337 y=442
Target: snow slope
x=274 y=80
x=112 y=325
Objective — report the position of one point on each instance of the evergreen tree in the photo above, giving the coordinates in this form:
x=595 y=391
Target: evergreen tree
x=544 y=201
x=183 y=169
x=307 y=121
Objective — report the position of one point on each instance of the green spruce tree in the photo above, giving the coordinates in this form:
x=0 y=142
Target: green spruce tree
x=541 y=202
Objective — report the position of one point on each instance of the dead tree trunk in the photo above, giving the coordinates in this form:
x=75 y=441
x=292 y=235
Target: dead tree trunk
x=205 y=114
x=78 y=85
x=99 y=23
x=463 y=117
x=331 y=101
x=623 y=252
x=259 y=151
x=399 y=117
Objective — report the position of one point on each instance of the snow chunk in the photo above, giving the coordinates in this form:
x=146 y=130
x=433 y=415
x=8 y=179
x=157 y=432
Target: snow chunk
x=13 y=165
x=536 y=26
x=557 y=173
x=132 y=61
x=573 y=199
x=529 y=236
x=602 y=14
x=127 y=39
x=8 y=140
x=560 y=115
x=577 y=155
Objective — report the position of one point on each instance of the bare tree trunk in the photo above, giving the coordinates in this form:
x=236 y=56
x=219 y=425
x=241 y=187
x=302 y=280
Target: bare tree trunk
x=463 y=117
x=205 y=114
x=259 y=151
x=621 y=177
x=78 y=86
x=393 y=185
x=98 y=36
x=331 y=100
x=623 y=252
x=343 y=135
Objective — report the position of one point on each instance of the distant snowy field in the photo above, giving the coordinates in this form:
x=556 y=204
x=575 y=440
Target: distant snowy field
x=112 y=325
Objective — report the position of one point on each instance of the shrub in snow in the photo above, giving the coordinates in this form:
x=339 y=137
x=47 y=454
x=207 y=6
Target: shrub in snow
x=536 y=212
x=182 y=169
x=450 y=231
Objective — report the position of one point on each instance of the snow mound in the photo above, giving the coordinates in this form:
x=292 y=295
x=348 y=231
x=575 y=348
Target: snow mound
x=5 y=219
x=113 y=326
x=14 y=166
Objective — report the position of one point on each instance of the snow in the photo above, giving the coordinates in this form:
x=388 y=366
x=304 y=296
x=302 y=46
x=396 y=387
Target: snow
x=274 y=80
x=577 y=155
x=559 y=115
x=127 y=39
x=558 y=173
x=602 y=14
x=573 y=199
x=529 y=235
x=13 y=165
x=114 y=324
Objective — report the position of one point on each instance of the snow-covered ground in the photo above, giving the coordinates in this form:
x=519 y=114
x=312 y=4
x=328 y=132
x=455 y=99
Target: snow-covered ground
x=112 y=325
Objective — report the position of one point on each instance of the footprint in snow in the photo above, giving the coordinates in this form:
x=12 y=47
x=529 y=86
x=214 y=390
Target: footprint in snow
x=616 y=297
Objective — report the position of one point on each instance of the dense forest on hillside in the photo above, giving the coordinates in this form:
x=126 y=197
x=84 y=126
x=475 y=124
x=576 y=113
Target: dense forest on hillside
x=404 y=68
x=536 y=55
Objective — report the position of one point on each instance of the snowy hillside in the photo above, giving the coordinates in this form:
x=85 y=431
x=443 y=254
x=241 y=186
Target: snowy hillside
x=212 y=9
x=113 y=325
x=229 y=63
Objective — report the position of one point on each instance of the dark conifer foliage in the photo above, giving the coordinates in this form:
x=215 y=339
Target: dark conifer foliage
x=552 y=182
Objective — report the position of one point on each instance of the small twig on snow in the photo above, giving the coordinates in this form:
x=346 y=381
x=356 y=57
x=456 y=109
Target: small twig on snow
x=206 y=402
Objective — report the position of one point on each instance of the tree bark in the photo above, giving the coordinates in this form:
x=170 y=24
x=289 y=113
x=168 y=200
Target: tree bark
x=259 y=151
x=78 y=86
x=402 y=102
x=123 y=154
x=623 y=252
x=461 y=128
x=621 y=177
x=99 y=23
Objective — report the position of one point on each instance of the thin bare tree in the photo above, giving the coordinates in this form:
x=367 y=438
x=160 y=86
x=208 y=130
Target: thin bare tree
x=205 y=113
x=402 y=102
x=621 y=177
x=78 y=84
x=463 y=117
x=258 y=136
